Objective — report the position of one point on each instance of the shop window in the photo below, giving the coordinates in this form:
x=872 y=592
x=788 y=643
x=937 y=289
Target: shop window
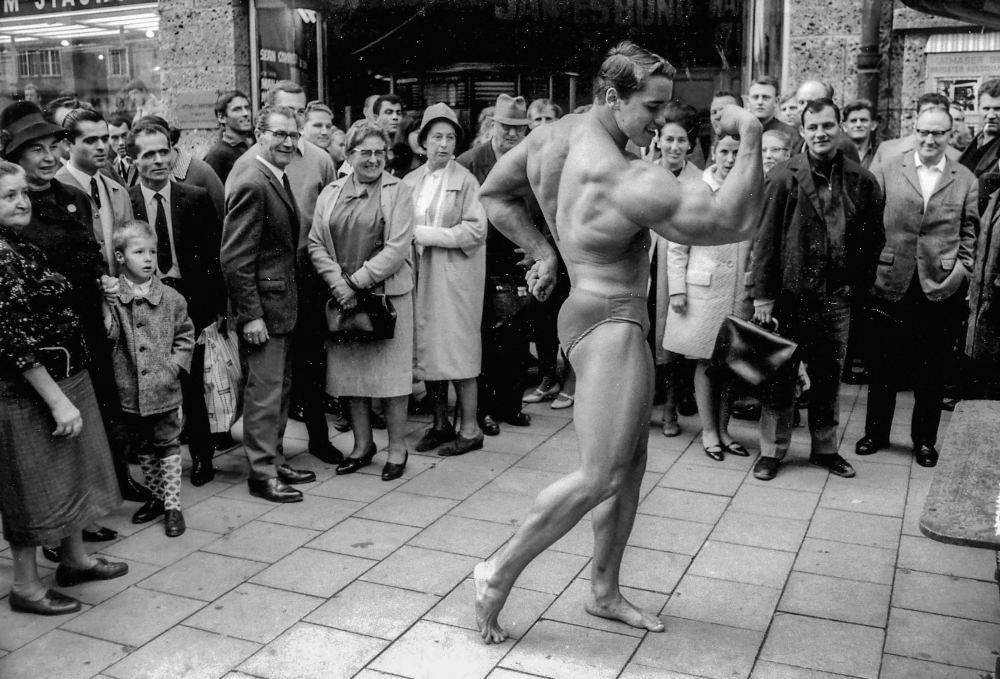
x=39 y=64
x=118 y=63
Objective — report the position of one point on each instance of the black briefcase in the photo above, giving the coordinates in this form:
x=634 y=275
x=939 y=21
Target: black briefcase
x=753 y=354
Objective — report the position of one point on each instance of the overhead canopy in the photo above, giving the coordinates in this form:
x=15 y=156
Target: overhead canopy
x=983 y=12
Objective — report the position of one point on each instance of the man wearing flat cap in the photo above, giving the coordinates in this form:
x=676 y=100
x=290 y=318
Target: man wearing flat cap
x=505 y=344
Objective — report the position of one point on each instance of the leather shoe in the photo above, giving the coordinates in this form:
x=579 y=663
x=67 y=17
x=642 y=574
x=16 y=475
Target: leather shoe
x=295 y=476
x=868 y=445
x=327 y=452
x=148 y=511
x=273 y=490
x=102 y=534
x=460 y=446
x=53 y=554
x=353 y=464
x=925 y=455
x=518 y=419
x=716 y=452
x=202 y=471
x=834 y=463
x=435 y=437
x=67 y=576
x=766 y=468
x=489 y=425
x=392 y=471
x=173 y=523
x=133 y=491
x=297 y=412
x=53 y=603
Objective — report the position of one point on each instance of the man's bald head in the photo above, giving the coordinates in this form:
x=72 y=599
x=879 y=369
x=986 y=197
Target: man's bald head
x=810 y=90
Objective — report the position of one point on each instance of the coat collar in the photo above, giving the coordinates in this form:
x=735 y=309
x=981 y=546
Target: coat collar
x=273 y=181
x=126 y=295
x=909 y=170
x=454 y=175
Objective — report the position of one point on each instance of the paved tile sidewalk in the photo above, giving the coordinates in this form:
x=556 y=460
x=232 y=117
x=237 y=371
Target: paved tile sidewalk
x=806 y=577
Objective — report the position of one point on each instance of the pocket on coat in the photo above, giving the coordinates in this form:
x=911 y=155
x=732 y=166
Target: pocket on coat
x=696 y=277
x=948 y=263
x=887 y=257
x=271 y=285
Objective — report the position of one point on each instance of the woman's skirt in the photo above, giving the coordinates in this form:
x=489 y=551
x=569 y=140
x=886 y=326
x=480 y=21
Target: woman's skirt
x=51 y=487
x=381 y=369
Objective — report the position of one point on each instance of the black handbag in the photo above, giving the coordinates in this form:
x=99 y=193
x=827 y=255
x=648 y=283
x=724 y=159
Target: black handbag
x=507 y=295
x=372 y=318
x=754 y=354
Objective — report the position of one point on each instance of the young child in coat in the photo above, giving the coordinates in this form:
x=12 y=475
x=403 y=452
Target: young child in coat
x=153 y=340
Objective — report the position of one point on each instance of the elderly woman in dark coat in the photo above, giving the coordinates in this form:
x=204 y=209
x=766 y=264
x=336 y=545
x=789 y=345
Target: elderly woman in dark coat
x=55 y=467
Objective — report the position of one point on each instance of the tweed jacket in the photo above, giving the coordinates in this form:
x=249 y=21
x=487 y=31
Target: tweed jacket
x=197 y=235
x=259 y=240
x=153 y=341
x=890 y=148
x=121 y=208
x=934 y=240
x=392 y=266
x=983 y=339
x=791 y=244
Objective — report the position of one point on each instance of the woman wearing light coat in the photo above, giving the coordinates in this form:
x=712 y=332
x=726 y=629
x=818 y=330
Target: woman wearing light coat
x=708 y=283
x=450 y=237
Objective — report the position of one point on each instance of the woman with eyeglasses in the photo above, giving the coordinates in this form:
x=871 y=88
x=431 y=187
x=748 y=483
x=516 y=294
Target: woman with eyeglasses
x=361 y=243
x=450 y=237
x=56 y=474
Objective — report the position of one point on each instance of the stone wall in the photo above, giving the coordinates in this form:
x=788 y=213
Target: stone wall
x=203 y=45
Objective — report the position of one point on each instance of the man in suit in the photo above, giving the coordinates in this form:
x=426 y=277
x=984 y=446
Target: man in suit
x=260 y=238
x=309 y=171
x=118 y=129
x=188 y=235
x=817 y=247
x=982 y=154
x=891 y=148
x=504 y=344
x=918 y=302
x=88 y=137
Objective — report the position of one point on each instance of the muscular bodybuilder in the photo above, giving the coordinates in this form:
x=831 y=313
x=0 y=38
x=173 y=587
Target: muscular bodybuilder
x=601 y=204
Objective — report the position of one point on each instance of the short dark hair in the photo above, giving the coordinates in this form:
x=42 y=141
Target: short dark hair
x=224 y=99
x=990 y=88
x=768 y=80
x=816 y=106
x=726 y=93
x=627 y=67
x=71 y=123
x=860 y=105
x=62 y=102
x=118 y=119
x=934 y=99
x=144 y=128
x=265 y=113
x=947 y=112
x=391 y=98
x=281 y=86
x=173 y=134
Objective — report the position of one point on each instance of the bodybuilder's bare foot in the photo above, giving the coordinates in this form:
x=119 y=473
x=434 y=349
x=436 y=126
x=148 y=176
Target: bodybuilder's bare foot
x=489 y=601
x=618 y=608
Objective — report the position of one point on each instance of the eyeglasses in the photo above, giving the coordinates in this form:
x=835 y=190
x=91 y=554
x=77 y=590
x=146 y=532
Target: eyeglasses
x=370 y=153
x=937 y=134
x=281 y=135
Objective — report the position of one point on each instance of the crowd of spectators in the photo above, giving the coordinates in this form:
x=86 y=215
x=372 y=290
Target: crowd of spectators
x=118 y=249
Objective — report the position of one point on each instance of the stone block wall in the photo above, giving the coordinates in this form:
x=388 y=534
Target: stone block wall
x=823 y=43
x=203 y=45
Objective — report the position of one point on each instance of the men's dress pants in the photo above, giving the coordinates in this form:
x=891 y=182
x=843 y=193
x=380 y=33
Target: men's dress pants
x=821 y=330
x=913 y=337
x=309 y=363
x=196 y=424
x=266 y=398
x=501 y=384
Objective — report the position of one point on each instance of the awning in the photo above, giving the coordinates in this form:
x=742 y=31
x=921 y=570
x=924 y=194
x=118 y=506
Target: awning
x=939 y=43
x=982 y=12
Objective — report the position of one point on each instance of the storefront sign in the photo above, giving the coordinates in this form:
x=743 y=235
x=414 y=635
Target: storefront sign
x=963 y=64
x=23 y=8
x=195 y=110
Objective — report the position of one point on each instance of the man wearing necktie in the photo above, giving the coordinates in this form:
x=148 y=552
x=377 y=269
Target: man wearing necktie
x=88 y=138
x=118 y=129
x=918 y=301
x=260 y=237
x=188 y=236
